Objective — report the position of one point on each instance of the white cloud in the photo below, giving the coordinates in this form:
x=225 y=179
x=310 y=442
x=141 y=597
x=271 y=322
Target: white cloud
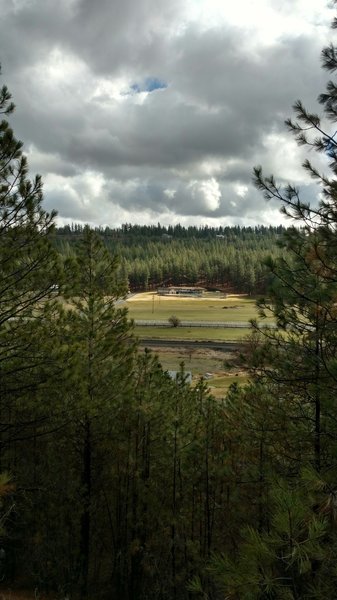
x=205 y=194
x=266 y=20
x=113 y=145
x=241 y=190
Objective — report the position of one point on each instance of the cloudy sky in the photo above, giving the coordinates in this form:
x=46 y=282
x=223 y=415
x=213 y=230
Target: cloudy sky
x=149 y=111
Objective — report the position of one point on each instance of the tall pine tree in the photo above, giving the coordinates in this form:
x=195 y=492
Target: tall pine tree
x=289 y=553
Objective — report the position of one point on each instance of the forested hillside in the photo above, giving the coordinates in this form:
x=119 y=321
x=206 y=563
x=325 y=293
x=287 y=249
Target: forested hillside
x=104 y=486
x=230 y=258
x=118 y=482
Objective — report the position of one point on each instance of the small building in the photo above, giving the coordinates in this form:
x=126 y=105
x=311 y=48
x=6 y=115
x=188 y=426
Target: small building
x=185 y=291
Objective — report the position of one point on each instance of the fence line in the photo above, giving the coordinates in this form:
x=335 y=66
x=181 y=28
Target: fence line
x=215 y=324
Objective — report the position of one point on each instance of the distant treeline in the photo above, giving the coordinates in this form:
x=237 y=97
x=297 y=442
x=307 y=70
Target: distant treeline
x=230 y=258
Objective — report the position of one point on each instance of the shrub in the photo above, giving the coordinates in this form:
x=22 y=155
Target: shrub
x=174 y=321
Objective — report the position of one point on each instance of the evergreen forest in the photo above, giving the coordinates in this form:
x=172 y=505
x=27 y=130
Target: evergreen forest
x=115 y=480
x=226 y=258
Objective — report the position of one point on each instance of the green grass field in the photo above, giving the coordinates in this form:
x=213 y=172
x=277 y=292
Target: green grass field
x=151 y=306
x=200 y=362
x=191 y=333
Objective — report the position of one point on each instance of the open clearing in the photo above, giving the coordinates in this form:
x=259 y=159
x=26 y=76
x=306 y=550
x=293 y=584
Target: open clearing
x=220 y=369
x=149 y=305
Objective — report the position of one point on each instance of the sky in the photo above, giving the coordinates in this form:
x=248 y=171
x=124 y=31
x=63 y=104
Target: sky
x=147 y=111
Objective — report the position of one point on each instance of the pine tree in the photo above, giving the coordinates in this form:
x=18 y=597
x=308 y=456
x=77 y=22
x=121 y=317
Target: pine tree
x=29 y=275
x=104 y=358
x=288 y=554
x=27 y=261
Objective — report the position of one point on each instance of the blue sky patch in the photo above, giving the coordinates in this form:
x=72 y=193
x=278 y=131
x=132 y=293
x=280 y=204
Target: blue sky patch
x=150 y=84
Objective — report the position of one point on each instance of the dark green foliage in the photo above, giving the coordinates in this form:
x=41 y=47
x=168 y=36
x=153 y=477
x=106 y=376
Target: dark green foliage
x=231 y=258
x=289 y=410
x=29 y=272
x=132 y=485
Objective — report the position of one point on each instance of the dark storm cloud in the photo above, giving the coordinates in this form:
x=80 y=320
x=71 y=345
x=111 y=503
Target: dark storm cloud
x=108 y=35
x=113 y=35
x=171 y=115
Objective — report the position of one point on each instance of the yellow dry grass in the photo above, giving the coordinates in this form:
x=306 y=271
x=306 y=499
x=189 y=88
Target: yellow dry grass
x=148 y=297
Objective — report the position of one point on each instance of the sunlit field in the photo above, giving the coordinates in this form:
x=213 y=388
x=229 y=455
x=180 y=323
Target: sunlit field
x=204 y=362
x=150 y=306
x=201 y=362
